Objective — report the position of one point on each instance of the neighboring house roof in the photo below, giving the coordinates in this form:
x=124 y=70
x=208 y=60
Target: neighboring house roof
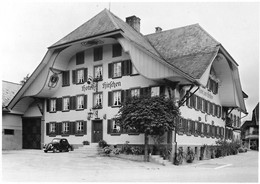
x=188 y=48
x=255 y=115
x=9 y=89
x=248 y=124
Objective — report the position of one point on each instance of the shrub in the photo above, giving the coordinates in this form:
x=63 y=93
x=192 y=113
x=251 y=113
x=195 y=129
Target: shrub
x=116 y=151
x=136 y=150
x=107 y=150
x=190 y=155
x=85 y=142
x=126 y=148
x=102 y=144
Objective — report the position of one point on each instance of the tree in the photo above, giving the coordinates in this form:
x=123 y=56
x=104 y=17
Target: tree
x=22 y=82
x=148 y=115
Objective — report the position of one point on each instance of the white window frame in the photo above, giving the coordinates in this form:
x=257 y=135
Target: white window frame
x=65 y=127
x=79 y=126
x=80 y=76
x=135 y=92
x=98 y=99
x=98 y=72
x=117 y=101
x=80 y=102
x=52 y=127
x=155 y=91
x=115 y=128
x=66 y=103
x=53 y=105
x=117 y=69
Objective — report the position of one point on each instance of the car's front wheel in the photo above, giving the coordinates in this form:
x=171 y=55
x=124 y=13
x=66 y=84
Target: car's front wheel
x=45 y=151
x=54 y=150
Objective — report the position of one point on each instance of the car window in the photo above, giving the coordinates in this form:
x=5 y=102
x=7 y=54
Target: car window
x=55 y=140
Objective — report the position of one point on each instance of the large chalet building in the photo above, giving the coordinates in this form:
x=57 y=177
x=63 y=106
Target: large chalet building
x=84 y=78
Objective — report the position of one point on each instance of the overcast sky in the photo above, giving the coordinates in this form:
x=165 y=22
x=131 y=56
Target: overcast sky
x=28 y=28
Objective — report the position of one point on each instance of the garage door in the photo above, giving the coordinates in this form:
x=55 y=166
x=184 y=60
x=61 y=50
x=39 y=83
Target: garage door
x=32 y=133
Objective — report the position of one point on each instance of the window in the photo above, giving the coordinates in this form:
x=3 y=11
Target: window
x=203 y=105
x=65 y=127
x=80 y=102
x=117 y=98
x=117 y=50
x=117 y=69
x=98 y=53
x=98 y=98
x=135 y=92
x=155 y=91
x=208 y=107
x=196 y=127
x=52 y=105
x=208 y=129
x=66 y=103
x=98 y=73
x=65 y=78
x=52 y=127
x=8 y=132
x=196 y=102
x=80 y=76
x=80 y=58
x=212 y=86
x=79 y=126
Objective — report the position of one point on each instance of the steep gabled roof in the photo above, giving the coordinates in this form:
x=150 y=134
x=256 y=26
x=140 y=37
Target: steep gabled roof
x=9 y=89
x=188 y=48
x=102 y=23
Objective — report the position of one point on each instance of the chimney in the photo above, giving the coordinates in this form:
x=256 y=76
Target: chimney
x=158 y=29
x=134 y=22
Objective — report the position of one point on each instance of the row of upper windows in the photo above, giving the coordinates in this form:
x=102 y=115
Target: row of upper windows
x=115 y=99
x=98 y=54
x=204 y=106
x=197 y=128
x=115 y=70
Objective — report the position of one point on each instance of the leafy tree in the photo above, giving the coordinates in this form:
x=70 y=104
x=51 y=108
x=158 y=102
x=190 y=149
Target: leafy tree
x=148 y=115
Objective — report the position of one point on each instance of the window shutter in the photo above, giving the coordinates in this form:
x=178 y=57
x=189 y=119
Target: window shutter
x=73 y=102
x=109 y=126
x=216 y=88
x=110 y=98
x=85 y=101
x=185 y=127
x=59 y=104
x=122 y=96
x=85 y=74
x=198 y=127
x=144 y=91
x=192 y=127
x=48 y=105
x=124 y=67
x=47 y=128
x=110 y=70
x=72 y=128
x=162 y=90
x=79 y=58
x=57 y=129
x=74 y=77
x=130 y=67
x=205 y=129
x=127 y=94
x=85 y=127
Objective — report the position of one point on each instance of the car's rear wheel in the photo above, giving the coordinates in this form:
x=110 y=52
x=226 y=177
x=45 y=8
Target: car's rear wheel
x=45 y=151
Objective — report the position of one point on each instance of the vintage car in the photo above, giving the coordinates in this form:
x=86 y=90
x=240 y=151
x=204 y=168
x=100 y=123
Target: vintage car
x=58 y=144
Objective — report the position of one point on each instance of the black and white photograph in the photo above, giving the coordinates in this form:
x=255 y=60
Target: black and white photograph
x=131 y=91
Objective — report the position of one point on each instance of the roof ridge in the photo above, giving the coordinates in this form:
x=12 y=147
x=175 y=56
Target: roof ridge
x=111 y=16
x=172 y=29
x=12 y=82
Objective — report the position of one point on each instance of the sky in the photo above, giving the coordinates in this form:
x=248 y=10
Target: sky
x=32 y=26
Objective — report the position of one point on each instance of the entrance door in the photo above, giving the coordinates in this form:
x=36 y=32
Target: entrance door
x=31 y=133
x=97 y=131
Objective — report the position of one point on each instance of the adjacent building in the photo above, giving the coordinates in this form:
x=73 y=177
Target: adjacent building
x=85 y=77
x=11 y=121
x=250 y=131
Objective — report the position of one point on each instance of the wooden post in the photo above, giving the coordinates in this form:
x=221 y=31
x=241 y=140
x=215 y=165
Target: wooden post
x=146 y=141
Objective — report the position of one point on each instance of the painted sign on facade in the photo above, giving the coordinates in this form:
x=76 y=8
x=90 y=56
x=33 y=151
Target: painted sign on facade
x=206 y=93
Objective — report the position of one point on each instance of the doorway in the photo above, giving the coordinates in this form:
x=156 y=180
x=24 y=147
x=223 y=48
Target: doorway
x=31 y=133
x=97 y=131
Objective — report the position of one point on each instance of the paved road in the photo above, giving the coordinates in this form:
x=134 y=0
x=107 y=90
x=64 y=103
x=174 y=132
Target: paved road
x=36 y=166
